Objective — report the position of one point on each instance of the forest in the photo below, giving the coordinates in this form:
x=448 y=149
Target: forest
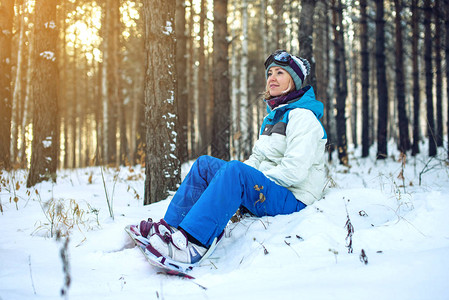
x=158 y=83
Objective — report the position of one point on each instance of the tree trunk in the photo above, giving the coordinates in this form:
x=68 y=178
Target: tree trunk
x=63 y=99
x=244 y=102
x=203 y=98
x=446 y=21
x=104 y=88
x=382 y=88
x=279 y=28
x=123 y=157
x=354 y=75
x=181 y=68
x=112 y=80
x=306 y=37
x=366 y=143
x=162 y=167
x=73 y=103
x=341 y=81
x=6 y=22
x=404 y=139
x=415 y=77
x=328 y=83
x=320 y=49
x=235 y=100
x=429 y=77
x=17 y=93
x=27 y=103
x=45 y=144
x=438 y=75
x=221 y=114
x=193 y=74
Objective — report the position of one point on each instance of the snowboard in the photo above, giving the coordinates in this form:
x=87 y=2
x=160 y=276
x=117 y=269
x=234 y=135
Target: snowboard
x=166 y=265
x=167 y=268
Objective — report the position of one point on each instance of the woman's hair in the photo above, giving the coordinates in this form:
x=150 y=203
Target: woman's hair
x=291 y=87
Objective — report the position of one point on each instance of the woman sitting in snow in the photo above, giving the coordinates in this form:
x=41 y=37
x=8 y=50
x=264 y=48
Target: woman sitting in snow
x=284 y=173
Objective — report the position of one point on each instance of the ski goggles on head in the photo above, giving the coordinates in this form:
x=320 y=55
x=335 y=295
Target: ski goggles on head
x=283 y=58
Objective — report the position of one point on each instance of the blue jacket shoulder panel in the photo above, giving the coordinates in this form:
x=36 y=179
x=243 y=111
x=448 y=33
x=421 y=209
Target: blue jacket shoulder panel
x=277 y=119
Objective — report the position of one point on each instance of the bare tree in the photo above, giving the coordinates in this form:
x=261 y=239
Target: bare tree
x=6 y=22
x=45 y=146
x=162 y=166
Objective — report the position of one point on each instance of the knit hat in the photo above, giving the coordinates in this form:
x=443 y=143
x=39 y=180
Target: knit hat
x=297 y=67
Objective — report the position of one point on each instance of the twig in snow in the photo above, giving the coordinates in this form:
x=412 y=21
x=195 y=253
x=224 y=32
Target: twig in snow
x=65 y=265
x=265 y=251
x=111 y=210
x=350 y=230
x=288 y=244
x=31 y=274
x=363 y=257
x=426 y=168
x=263 y=224
x=213 y=265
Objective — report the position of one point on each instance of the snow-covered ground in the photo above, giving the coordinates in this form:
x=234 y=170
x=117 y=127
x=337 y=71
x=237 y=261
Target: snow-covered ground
x=401 y=225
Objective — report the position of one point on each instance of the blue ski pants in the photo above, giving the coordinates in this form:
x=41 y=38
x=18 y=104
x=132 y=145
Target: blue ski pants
x=214 y=189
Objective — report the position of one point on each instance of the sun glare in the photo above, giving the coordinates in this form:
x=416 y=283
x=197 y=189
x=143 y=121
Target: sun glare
x=83 y=33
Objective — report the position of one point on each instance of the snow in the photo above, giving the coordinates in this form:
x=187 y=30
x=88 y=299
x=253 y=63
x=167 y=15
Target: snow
x=403 y=230
x=168 y=29
x=47 y=142
x=51 y=25
x=49 y=55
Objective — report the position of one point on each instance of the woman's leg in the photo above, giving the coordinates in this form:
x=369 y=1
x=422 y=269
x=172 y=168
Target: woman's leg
x=193 y=185
x=233 y=185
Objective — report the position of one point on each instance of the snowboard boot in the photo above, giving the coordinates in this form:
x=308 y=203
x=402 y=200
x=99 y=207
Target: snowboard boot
x=176 y=247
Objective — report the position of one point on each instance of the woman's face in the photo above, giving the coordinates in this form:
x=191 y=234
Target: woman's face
x=279 y=81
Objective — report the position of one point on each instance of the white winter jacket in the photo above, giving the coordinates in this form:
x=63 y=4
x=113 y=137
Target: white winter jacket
x=290 y=148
